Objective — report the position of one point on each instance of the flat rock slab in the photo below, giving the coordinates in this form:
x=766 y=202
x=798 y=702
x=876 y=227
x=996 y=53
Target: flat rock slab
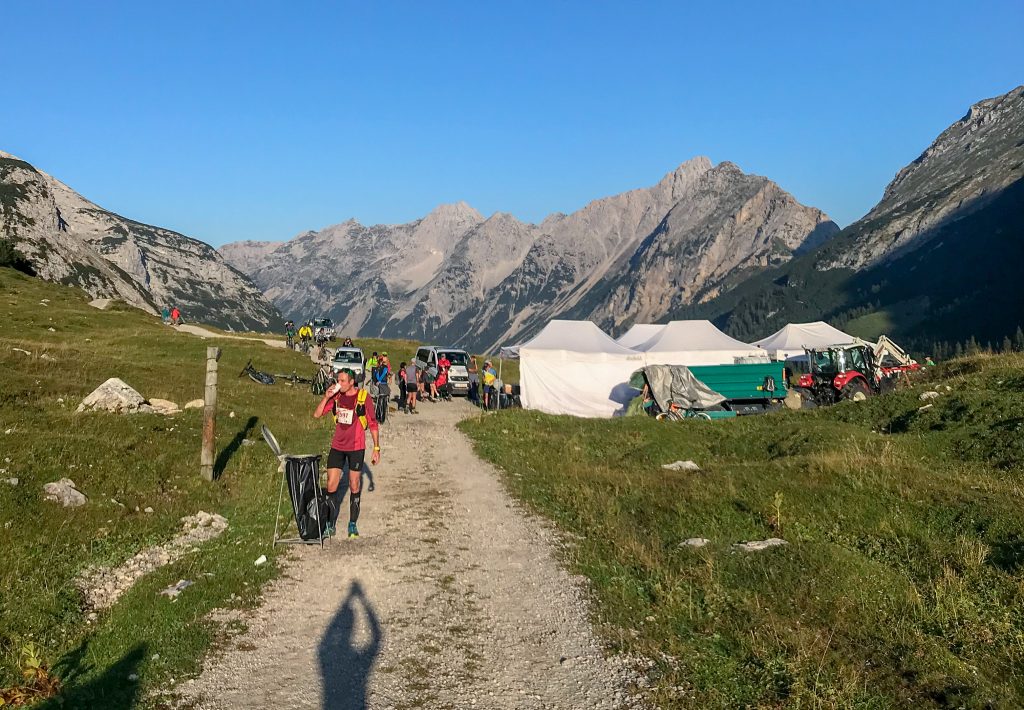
x=694 y=542
x=194 y=404
x=101 y=303
x=758 y=545
x=115 y=395
x=681 y=466
x=164 y=406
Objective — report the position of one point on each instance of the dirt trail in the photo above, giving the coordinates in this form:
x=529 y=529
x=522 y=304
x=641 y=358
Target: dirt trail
x=204 y=333
x=451 y=598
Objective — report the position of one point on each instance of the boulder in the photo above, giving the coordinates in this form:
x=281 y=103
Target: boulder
x=694 y=542
x=793 y=400
x=194 y=404
x=100 y=303
x=925 y=396
x=164 y=406
x=65 y=493
x=681 y=466
x=115 y=395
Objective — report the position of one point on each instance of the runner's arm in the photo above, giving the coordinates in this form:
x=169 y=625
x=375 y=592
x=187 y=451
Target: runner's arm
x=324 y=406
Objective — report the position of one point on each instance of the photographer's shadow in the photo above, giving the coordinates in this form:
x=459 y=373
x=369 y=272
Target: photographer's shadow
x=347 y=653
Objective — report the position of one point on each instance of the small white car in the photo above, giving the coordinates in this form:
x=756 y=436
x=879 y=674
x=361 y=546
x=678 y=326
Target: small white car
x=458 y=376
x=351 y=358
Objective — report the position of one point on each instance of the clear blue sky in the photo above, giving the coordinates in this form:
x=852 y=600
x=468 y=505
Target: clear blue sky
x=236 y=120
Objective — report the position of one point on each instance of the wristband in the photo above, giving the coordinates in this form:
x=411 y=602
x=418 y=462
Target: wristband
x=376 y=448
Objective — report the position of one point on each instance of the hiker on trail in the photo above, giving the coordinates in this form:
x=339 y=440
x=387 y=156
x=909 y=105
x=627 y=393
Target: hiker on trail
x=474 y=380
x=412 y=388
x=385 y=364
x=490 y=377
x=166 y=315
x=175 y=316
x=354 y=415
x=441 y=383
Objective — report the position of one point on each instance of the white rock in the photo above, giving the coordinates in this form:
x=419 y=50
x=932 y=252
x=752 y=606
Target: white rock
x=47 y=356
x=147 y=509
x=194 y=404
x=115 y=395
x=931 y=394
x=133 y=677
x=175 y=589
x=231 y=415
x=164 y=406
x=681 y=466
x=694 y=542
x=927 y=406
x=65 y=493
x=758 y=545
x=261 y=560
x=13 y=481
x=100 y=303
x=52 y=330
x=20 y=350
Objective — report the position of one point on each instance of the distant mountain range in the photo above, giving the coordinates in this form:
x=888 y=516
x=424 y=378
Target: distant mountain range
x=68 y=239
x=457 y=277
x=939 y=259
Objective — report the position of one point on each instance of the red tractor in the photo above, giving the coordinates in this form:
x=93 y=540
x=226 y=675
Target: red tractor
x=841 y=372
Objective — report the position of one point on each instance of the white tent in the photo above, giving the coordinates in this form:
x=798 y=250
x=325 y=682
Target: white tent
x=696 y=342
x=573 y=367
x=639 y=333
x=792 y=339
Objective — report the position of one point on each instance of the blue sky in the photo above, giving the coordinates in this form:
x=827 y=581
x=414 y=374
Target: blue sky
x=258 y=120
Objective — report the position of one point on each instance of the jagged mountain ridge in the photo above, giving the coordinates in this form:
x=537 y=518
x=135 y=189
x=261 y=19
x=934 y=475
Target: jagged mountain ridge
x=937 y=259
x=71 y=240
x=458 y=277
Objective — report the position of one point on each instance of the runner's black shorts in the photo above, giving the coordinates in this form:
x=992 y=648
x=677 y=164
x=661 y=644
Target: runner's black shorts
x=338 y=459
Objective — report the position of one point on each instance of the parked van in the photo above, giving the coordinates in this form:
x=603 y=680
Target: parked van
x=458 y=376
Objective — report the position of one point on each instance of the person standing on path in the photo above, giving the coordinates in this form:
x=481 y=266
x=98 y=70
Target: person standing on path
x=412 y=387
x=175 y=316
x=354 y=415
x=166 y=315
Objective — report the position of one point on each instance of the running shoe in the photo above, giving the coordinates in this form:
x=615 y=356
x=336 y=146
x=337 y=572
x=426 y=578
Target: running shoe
x=329 y=530
x=352 y=532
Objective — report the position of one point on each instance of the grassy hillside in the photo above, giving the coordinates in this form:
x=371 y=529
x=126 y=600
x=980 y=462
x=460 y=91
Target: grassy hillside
x=901 y=585
x=124 y=464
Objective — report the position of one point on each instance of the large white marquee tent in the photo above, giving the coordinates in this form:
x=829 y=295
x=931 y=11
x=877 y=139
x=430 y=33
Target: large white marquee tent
x=696 y=342
x=639 y=333
x=792 y=339
x=573 y=367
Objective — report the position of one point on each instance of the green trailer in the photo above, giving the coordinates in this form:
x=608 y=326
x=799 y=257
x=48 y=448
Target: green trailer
x=748 y=388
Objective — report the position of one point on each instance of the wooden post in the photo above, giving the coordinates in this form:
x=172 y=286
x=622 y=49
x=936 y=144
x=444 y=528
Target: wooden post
x=209 y=414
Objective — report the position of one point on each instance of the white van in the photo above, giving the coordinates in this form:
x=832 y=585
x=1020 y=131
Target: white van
x=458 y=376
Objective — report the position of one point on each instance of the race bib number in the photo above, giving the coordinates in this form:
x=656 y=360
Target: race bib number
x=345 y=416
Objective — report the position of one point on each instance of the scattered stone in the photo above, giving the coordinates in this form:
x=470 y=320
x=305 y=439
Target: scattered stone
x=175 y=589
x=43 y=303
x=927 y=406
x=102 y=586
x=147 y=509
x=52 y=330
x=47 y=356
x=20 y=350
x=694 y=542
x=758 y=545
x=231 y=415
x=248 y=442
x=133 y=677
x=8 y=431
x=115 y=395
x=13 y=481
x=261 y=560
x=931 y=394
x=155 y=657
x=65 y=493
x=194 y=404
x=681 y=466
x=164 y=406
x=92 y=616
x=794 y=400
x=100 y=303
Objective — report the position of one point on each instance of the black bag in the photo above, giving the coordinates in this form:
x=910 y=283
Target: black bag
x=309 y=501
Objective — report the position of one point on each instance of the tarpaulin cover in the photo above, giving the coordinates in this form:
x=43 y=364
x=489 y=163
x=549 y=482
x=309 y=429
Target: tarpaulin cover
x=639 y=333
x=308 y=500
x=794 y=337
x=573 y=367
x=675 y=383
x=696 y=342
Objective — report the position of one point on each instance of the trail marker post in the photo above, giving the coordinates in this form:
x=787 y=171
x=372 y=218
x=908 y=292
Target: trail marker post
x=209 y=414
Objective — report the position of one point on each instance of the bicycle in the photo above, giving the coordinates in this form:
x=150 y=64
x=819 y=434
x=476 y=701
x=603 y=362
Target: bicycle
x=258 y=376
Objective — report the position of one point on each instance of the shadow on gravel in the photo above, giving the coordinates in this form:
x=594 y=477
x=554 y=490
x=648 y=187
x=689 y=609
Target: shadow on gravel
x=345 y=666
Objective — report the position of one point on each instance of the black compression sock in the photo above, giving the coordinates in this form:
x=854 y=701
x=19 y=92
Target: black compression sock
x=353 y=506
x=336 y=498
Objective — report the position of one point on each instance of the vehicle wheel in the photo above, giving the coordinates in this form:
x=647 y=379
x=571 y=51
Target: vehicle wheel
x=702 y=415
x=856 y=390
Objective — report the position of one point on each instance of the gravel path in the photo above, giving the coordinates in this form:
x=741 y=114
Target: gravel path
x=451 y=598
x=204 y=333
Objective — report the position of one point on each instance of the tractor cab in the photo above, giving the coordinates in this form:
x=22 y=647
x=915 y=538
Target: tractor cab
x=840 y=372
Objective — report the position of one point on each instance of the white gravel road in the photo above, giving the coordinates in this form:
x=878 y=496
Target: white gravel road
x=452 y=597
